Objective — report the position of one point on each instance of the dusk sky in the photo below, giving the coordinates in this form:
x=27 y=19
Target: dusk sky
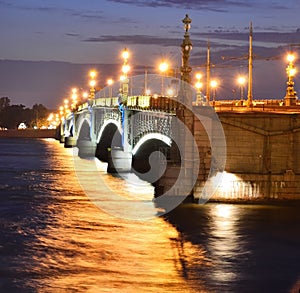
x=95 y=32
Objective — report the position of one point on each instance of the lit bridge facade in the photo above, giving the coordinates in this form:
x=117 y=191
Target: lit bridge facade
x=261 y=145
x=136 y=137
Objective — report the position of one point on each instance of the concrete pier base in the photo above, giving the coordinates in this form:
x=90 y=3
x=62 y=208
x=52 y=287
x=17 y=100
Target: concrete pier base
x=70 y=142
x=119 y=161
x=62 y=139
x=86 y=148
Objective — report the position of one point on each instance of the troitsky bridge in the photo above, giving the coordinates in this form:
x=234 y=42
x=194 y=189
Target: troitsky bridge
x=188 y=145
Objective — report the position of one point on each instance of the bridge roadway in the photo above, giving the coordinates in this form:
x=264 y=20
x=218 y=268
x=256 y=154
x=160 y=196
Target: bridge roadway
x=259 y=157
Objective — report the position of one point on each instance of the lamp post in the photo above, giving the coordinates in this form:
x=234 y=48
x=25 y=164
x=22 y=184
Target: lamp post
x=74 y=98
x=124 y=79
x=92 y=83
x=163 y=67
x=198 y=86
x=241 y=81
x=109 y=83
x=291 y=94
x=214 y=85
x=186 y=47
x=66 y=107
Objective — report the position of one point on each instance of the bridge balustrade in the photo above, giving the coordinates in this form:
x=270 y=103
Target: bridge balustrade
x=156 y=103
x=100 y=102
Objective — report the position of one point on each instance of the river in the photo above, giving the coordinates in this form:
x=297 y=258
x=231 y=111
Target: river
x=54 y=238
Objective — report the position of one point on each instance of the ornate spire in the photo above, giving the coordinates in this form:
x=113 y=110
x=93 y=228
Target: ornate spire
x=186 y=47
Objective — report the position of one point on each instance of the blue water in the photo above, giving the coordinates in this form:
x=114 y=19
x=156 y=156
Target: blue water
x=55 y=239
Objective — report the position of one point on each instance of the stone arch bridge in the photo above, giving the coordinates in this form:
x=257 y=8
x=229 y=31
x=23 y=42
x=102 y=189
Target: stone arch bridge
x=262 y=160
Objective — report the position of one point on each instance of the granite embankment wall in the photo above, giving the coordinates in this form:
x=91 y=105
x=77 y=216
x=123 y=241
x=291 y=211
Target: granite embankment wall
x=28 y=133
x=262 y=157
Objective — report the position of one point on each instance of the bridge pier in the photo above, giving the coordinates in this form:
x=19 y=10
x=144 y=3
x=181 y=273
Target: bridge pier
x=119 y=161
x=70 y=142
x=86 y=148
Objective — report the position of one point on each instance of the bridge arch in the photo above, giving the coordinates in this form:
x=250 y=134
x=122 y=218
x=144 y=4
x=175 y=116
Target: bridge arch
x=70 y=127
x=147 y=145
x=150 y=136
x=83 y=129
x=105 y=124
x=108 y=137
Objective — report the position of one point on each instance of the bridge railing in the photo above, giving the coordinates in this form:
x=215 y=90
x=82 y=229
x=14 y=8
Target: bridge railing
x=154 y=103
x=258 y=105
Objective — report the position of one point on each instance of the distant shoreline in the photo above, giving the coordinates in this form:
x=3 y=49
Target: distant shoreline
x=28 y=133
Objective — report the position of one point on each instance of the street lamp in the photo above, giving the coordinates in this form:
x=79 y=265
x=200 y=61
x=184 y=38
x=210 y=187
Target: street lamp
x=241 y=81
x=124 y=78
x=198 y=86
x=85 y=95
x=74 y=98
x=66 y=107
x=163 y=67
x=291 y=94
x=214 y=85
x=170 y=92
x=92 y=83
x=109 y=83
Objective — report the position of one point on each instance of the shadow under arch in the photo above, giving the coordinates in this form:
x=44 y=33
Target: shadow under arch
x=150 y=159
x=84 y=130
x=110 y=137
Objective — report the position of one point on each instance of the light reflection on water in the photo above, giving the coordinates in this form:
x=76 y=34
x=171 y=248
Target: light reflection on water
x=54 y=239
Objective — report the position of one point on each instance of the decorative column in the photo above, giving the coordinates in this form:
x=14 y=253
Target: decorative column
x=291 y=94
x=186 y=47
x=120 y=159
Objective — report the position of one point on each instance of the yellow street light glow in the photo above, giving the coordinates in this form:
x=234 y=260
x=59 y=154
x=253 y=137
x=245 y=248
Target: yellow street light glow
x=292 y=72
x=74 y=90
x=241 y=80
x=198 y=75
x=85 y=95
x=213 y=83
x=50 y=117
x=125 y=54
x=198 y=85
x=290 y=58
x=61 y=108
x=110 y=81
x=122 y=78
x=92 y=83
x=93 y=74
x=163 y=67
x=125 y=68
x=170 y=92
x=66 y=101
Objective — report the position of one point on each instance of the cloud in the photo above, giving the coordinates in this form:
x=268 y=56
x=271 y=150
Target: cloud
x=210 y=5
x=72 y=35
x=275 y=38
x=136 y=39
x=95 y=14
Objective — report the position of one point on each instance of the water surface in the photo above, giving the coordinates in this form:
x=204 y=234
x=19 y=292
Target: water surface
x=55 y=239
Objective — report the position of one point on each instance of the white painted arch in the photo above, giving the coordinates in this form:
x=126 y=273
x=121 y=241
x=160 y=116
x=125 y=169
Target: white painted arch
x=80 y=123
x=150 y=136
x=107 y=122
